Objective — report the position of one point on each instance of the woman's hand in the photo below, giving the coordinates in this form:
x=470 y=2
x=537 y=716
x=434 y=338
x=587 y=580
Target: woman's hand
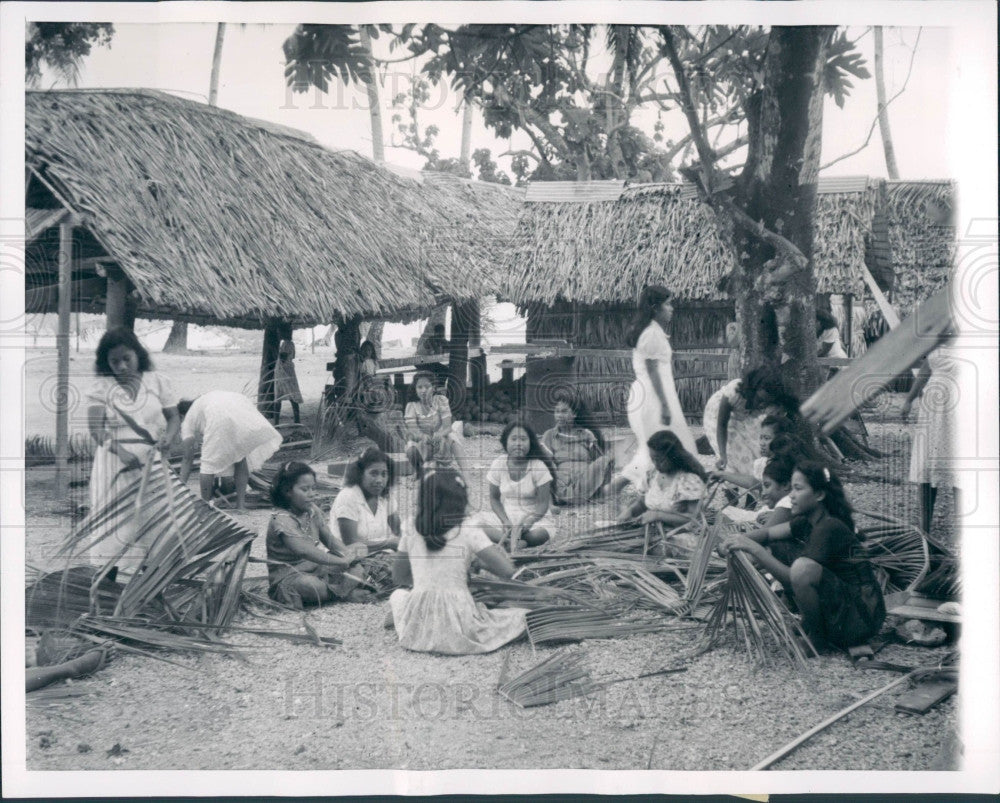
x=132 y=463
x=721 y=463
x=904 y=411
x=740 y=543
x=649 y=517
x=665 y=415
x=355 y=552
x=516 y=531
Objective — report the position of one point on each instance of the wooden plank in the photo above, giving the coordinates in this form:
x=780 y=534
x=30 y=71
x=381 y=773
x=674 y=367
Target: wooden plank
x=62 y=349
x=925 y=696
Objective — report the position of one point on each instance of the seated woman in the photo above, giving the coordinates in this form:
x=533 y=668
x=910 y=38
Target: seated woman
x=520 y=490
x=439 y=614
x=428 y=423
x=771 y=428
x=307 y=565
x=581 y=468
x=673 y=489
x=234 y=438
x=827 y=577
x=363 y=511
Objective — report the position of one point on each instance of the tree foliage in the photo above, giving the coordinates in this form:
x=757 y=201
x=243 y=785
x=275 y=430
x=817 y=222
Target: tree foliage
x=62 y=46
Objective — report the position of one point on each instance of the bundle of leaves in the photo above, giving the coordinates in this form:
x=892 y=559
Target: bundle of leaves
x=561 y=676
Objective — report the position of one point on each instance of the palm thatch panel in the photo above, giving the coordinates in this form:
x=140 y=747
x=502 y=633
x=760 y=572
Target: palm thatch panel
x=922 y=235
x=212 y=214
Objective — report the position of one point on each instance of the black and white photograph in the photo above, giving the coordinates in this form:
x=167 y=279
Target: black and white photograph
x=602 y=397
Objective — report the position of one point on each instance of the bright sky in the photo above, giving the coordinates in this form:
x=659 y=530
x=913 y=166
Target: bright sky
x=178 y=57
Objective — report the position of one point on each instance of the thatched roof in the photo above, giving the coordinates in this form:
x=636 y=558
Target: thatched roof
x=601 y=251
x=217 y=217
x=922 y=235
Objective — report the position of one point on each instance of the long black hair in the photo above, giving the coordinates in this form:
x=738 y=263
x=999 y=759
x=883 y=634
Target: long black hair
x=120 y=337
x=535 y=450
x=763 y=386
x=441 y=504
x=285 y=480
x=780 y=467
x=821 y=478
x=650 y=301
x=370 y=456
x=667 y=443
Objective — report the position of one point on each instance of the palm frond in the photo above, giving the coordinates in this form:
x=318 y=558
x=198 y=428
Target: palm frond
x=561 y=676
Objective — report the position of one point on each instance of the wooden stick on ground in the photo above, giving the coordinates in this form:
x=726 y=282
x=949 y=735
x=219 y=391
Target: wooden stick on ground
x=788 y=748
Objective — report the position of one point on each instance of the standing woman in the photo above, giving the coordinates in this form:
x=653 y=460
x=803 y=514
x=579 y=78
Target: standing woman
x=286 y=383
x=653 y=404
x=932 y=453
x=128 y=393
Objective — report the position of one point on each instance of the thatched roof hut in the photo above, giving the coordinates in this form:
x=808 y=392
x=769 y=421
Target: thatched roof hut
x=596 y=248
x=213 y=217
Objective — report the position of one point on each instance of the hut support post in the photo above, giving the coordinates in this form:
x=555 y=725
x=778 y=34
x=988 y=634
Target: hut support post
x=268 y=360
x=464 y=316
x=119 y=308
x=849 y=321
x=62 y=350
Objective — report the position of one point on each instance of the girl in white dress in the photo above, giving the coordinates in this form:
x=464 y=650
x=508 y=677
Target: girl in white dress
x=127 y=395
x=439 y=614
x=234 y=437
x=653 y=404
x=363 y=511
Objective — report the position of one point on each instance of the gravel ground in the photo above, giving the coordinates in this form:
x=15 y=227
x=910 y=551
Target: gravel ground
x=368 y=704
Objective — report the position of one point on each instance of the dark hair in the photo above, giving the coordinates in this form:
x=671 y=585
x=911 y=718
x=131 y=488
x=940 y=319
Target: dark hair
x=370 y=456
x=820 y=478
x=284 y=330
x=368 y=351
x=581 y=413
x=120 y=337
x=535 y=451
x=418 y=375
x=441 y=504
x=183 y=406
x=787 y=443
x=825 y=320
x=285 y=480
x=652 y=299
x=439 y=328
x=667 y=443
x=780 y=467
x=781 y=424
x=765 y=379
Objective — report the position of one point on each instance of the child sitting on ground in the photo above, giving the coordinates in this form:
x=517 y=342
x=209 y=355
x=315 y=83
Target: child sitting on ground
x=300 y=570
x=439 y=614
x=673 y=489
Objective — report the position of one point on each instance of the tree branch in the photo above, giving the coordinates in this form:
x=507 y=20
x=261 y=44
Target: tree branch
x=530 y=154
x=871 y=130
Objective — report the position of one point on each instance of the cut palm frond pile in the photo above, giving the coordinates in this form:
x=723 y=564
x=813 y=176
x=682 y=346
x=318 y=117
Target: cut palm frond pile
x=613 y=538
x=562 y=623
x=561 y=676
x=897 y=549
x=700 y=562
x=760 y=620
x=516 y=594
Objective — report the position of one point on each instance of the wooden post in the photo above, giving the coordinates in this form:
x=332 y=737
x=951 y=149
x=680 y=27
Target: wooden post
x=62 y=350
x=119 y=306
x=849 y=321
x=462 y=315
x=268 y=359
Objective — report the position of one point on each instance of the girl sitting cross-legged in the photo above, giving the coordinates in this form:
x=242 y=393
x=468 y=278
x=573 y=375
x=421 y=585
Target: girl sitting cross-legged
x=439 y=614
x=363 y=511
x=672 y=490
x=825 y=573
x=520 y=490
x=307 y=564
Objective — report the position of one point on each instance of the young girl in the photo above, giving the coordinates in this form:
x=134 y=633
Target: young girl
x=775 y=486
x=286 y=383
x=770 y=427
x=830 y=581
x=127 y=391
x=520 y=490
x=673 y=489
x=429 y=426
x=581 y=468
x=439 y=614
x=362 y=511
x=301 y=571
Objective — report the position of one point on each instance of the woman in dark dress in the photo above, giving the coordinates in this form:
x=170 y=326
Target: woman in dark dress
x=830 y=580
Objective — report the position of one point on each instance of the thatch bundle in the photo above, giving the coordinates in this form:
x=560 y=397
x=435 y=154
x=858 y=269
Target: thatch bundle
x=215 y=216
x=842 y=223
x=922 y=234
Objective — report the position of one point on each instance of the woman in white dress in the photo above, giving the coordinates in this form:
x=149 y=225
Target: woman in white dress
x=131 y=413
x=653 y=404
x=364 y=510
x=235 y=439
x=932 y=453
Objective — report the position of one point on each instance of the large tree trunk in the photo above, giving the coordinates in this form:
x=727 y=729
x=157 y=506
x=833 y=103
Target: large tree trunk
x=778 y=188
x=883 y=111
x=374 y=107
